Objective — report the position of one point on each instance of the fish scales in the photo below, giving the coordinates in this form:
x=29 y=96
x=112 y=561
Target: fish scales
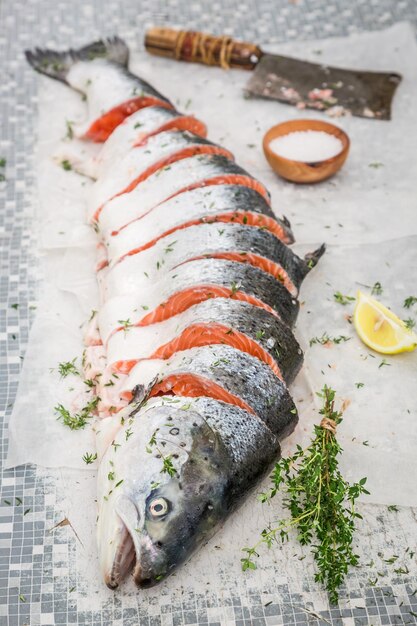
x=218 y=320
x=141 y=161
x=238 y=242
x=220 y=203
x=196 y=281
x=198 y=293
x=201 y=170
x=241 y=375
x=137 y=128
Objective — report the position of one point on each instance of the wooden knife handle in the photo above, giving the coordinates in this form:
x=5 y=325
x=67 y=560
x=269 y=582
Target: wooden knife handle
x=198 y=47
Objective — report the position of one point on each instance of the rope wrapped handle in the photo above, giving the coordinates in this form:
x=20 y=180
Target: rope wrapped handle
x=196 y=47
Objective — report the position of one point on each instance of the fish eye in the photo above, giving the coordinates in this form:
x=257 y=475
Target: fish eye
x=158 y=507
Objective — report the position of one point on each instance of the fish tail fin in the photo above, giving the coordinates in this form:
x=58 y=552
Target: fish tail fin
x=312 y=258
x=57 y=64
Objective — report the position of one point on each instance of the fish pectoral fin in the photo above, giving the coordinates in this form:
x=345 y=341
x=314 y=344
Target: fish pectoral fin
x=141 y=394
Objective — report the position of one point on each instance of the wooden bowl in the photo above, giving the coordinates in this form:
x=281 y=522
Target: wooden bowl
x=298 y=171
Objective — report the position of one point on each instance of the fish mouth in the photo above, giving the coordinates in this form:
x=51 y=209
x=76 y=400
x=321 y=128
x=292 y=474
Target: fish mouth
x=127 y=560
x=142 y=578
x=123 y=562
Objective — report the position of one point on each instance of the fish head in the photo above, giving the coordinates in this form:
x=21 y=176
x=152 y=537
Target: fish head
x=175 y=471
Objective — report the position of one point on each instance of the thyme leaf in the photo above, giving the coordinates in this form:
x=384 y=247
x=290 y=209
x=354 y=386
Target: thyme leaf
x=89 y=458
x=409 y=302
x=342 y=299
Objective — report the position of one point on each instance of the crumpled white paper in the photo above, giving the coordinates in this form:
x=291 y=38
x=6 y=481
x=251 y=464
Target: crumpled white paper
x=366 y=215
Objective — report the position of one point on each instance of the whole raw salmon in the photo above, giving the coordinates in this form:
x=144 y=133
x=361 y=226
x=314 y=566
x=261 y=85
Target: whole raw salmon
x=192 y=350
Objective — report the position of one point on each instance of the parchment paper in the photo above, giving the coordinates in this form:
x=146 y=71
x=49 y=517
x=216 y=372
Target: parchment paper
x=366 y=215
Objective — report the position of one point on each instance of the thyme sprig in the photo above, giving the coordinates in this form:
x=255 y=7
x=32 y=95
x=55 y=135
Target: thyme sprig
x=167 y=463
x=321 y=503
x=79 y=420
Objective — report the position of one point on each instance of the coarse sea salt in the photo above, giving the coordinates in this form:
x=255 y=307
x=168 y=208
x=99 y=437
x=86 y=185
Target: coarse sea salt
x=308 y=146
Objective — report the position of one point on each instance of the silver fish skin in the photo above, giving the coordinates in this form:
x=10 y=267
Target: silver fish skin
x=137 y=128
x=195 y=171
x=99 y=71
x=150 y=519
x=145 y=159
x=204 y=204
x=129 y=274
x=262 y=328
x=221 y=367
x=203 y=276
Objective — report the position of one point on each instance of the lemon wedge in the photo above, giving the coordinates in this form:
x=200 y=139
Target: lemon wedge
x=380 y=329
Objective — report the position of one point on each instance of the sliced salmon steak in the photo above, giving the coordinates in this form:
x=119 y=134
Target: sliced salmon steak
x=139 y=163
x=137 y=128
x=218 y=321
x=219 y=372
x=219 y=203
x=237 y=242
x=196 y=282
x=187 y=174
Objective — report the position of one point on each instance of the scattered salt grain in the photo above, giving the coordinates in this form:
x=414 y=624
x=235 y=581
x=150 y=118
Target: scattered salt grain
x=308 y=146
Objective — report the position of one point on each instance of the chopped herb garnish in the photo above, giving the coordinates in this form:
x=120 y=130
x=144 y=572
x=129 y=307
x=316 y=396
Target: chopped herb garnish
x=89 y=458
x=168 y=466
x=15 y=306
x=78 y=420
x=377 y=289
x=125 y=324
x=66 y=165
x=68 y=367
x=393 y=508
x=234 y=287
x=383 y=362
x=409 y=323
x=70 y=132
x=409 y=302
x=326 y=339
x=376 y=164
x=359 y=385
x=342 y=299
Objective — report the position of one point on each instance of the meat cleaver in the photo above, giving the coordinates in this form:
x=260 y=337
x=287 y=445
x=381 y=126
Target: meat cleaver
x=332 y=90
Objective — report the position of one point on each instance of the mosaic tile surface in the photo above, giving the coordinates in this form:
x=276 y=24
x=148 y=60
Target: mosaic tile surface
x=38 y=585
